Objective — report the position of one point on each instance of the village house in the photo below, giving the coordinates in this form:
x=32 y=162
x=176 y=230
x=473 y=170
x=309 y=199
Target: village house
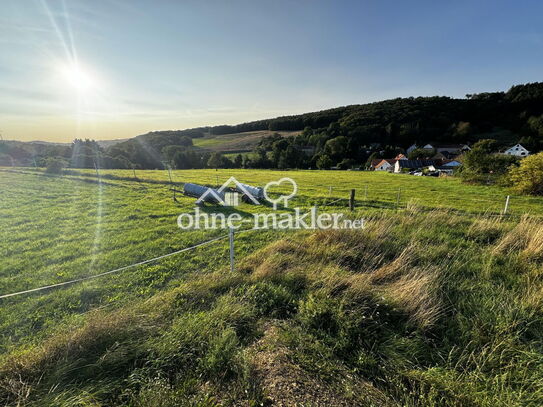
x=445 y=166
x=447 y=148
x=384 y=165
x=443 y=161
x=517 y=150
x=410 y=165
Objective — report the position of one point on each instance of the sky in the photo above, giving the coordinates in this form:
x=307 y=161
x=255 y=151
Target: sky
x=110 y=69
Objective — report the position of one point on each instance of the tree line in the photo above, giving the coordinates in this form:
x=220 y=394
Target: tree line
x=343 y=137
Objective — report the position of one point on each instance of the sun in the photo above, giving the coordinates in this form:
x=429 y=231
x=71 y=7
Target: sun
x=78 y=78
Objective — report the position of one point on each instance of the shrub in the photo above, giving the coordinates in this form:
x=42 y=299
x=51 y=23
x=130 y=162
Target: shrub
x=528 y=177
x=324 y=162
x=347 y=163
x=55 y=166
x=482 y=165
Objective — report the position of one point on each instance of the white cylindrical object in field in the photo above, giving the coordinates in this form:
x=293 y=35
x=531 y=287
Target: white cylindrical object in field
x=256 y=192
x=197 y=191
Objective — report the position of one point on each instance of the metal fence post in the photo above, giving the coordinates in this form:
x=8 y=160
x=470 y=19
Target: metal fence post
x=506 y=205
x=398 y=198
x=231 y=236
x=351 y=200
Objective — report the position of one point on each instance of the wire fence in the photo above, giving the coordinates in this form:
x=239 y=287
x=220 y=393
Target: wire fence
x=231 y=233
x=141 y=263
x=383 y=199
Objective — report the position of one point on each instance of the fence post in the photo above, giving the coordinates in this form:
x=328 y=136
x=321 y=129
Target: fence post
x=506 y=205
x=365 y=192
x=351 y=200
x=96 y=169
x=398 y=197
x=330 y=191
x=231 y=238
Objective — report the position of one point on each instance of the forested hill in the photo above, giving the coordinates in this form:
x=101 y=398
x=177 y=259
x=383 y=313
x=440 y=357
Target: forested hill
x=345 y=133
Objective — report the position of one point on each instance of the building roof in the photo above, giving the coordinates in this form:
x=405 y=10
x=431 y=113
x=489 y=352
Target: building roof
x=415 y=163
x=378 y=162
x=451 y=146
x=446 y=162
x=517 y=145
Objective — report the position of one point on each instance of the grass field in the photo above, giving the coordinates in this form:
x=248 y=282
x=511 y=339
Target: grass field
x=437 y=303
x=58 y=229
x=377 y=190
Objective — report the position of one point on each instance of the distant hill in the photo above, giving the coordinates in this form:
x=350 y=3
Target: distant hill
x=343 y=134
x=109 y=143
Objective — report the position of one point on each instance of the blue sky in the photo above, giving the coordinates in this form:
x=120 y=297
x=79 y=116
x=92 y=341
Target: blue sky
x=113 y=69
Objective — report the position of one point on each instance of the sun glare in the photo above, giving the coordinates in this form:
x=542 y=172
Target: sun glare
x=78 y=78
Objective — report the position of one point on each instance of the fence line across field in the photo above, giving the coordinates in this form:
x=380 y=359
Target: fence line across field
x=398 y=194
x=391 y=195
x=230 y=235
x=141 y=263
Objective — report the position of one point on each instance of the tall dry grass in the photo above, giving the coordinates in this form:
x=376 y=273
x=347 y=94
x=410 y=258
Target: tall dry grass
x=525 y=239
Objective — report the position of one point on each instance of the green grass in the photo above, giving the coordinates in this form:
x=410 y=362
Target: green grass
x=438 y=302
x=373 y=189
x=57 y=229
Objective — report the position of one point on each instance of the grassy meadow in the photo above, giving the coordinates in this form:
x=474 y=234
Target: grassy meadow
x=438 y=302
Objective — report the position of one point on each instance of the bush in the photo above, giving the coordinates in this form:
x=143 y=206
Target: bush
x=347 y=163
x=55 y=166
x=528 y=177
x=480 y=165
x=324 y=162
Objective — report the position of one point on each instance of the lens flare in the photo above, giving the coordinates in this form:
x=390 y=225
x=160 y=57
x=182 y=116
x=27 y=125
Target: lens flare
x=78 y=78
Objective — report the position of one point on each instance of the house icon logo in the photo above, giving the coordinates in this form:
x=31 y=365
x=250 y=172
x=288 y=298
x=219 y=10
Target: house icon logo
x=229 y=192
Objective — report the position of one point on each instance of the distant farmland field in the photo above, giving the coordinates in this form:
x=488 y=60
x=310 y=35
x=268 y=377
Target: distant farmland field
x=236 y=142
